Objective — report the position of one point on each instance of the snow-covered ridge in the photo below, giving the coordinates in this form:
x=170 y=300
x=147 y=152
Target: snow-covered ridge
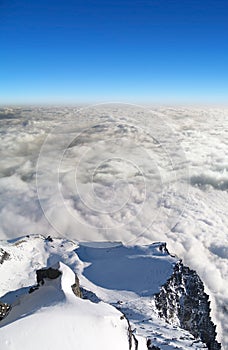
x=116 y=307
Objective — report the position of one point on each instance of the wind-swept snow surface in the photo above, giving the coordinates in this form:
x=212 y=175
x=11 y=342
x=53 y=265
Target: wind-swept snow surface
x=122 y=173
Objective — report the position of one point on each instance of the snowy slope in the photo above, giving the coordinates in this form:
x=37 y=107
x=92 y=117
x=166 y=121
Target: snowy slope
x=116 y=280
x=53 y=316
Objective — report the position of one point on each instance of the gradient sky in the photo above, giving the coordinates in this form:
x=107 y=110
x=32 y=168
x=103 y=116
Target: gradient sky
x=67 y=51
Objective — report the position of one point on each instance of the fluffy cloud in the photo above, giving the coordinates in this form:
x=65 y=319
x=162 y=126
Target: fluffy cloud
x=121 y=172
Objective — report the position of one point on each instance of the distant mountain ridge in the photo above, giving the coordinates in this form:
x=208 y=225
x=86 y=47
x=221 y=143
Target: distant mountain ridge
x=133 y=297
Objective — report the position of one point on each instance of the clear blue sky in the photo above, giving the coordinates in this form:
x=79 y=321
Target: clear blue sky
x=163 y=51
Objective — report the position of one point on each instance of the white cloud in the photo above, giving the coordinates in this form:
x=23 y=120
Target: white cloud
x=121 y=173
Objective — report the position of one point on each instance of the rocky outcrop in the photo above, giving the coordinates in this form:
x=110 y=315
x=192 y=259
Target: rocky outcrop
x=3 y=255
x=150 y=346
x=87 y=294
x=52 y=273
x=4 y=310
x=76 y=287
x=49 y=273
x=182 y=300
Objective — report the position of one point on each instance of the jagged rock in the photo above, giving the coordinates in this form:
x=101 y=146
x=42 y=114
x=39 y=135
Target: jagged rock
x=76 y=287
x=4 y=310
x=49 y=239
x=3 y=255
x=163 y=248
x=87 y=294
x=47 y=273
x=33 y=288
x=182 y=300
x=150 y=346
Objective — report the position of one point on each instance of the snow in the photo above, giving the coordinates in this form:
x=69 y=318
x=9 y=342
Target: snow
x=128 y=277
x=53 y=316
x=64 y=324
x=122 y=173
x=139 y=270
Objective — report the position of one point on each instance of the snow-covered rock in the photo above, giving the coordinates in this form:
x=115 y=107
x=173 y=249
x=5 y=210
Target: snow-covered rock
x=183 y=301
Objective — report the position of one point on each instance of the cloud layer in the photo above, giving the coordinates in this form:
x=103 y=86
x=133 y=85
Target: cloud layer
x=125 y=173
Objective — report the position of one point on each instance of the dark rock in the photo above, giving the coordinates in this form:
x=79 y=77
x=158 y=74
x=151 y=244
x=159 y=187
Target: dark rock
x=163 y=248
x=3 y=256
x=182 y=297
x=47 y=273
x=49 y=239
x=150 y=346
x=4 y=310
x=33 y=288
x=76 y=287
x=87 y=294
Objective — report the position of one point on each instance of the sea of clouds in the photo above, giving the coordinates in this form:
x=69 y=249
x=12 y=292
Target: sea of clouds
x=122 y=173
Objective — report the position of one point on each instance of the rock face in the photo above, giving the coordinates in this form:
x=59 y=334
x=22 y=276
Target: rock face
x=182 y=300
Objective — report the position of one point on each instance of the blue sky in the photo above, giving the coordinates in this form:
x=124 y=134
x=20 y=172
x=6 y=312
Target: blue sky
x=154 y=51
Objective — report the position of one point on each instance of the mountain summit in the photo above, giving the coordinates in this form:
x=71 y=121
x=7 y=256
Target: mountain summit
x=56 y=293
